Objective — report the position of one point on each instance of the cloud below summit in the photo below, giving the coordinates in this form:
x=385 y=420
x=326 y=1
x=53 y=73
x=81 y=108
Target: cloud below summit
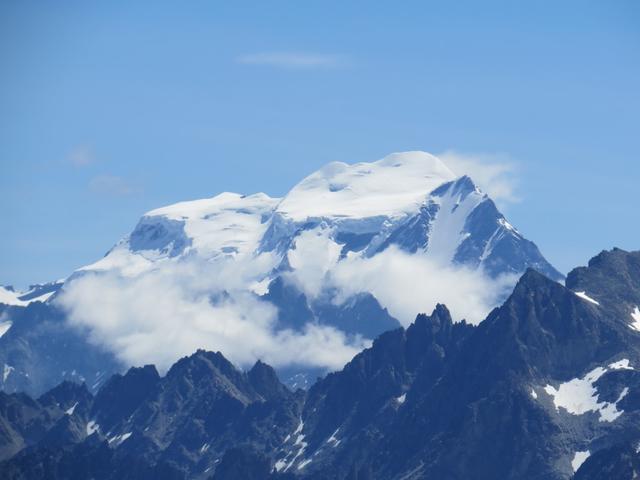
x=165 y=313
x=404 y=283
x=408 y=284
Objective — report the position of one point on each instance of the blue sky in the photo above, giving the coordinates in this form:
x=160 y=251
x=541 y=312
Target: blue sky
x=111 y=109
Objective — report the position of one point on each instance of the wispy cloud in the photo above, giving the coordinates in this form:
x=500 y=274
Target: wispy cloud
x=406 y=284
x=111 y=185
x=81 y=156
x=297 y=60
x=494 y=174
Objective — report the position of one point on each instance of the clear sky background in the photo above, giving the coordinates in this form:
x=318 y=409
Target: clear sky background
x=109 y=109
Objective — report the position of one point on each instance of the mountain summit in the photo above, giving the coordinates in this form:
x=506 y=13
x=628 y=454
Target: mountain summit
x=391 y=187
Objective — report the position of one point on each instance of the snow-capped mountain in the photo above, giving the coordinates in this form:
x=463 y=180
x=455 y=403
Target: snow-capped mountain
x=410 y=200
x=349 y=252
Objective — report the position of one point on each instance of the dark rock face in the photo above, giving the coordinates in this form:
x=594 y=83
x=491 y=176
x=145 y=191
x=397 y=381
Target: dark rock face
x=548 y=384
x=56 y=418
x=611 y=279
x=243 y=463
x=141 y=425
x=40 y=350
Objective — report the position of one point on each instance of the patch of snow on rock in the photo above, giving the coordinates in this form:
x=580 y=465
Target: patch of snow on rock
x=635 y=316
x=621 y=365
x=5 y=326
x=119 y=439
x=299 y=446
x=579 y=396
x=72 y=409
x=578 y=459
x=6 y=372
x=586 y=297
x=610 y=412
x=333 y=440
x=92 y=427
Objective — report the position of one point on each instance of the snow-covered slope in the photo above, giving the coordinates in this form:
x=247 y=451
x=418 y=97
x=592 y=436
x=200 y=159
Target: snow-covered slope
x=392 y=187
x=35 y=293
x=228 y=224
x=9 y=296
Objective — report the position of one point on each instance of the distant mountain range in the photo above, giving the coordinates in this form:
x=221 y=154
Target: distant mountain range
x=324 y=269
x=547 y=386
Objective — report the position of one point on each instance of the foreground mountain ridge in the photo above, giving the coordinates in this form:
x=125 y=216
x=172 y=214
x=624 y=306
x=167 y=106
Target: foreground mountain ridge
x=298 y=260
x=548 y=386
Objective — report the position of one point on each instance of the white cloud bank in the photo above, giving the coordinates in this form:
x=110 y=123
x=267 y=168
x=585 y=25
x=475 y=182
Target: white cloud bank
x=406 y=284
x=169 y=312
x=173 y=308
